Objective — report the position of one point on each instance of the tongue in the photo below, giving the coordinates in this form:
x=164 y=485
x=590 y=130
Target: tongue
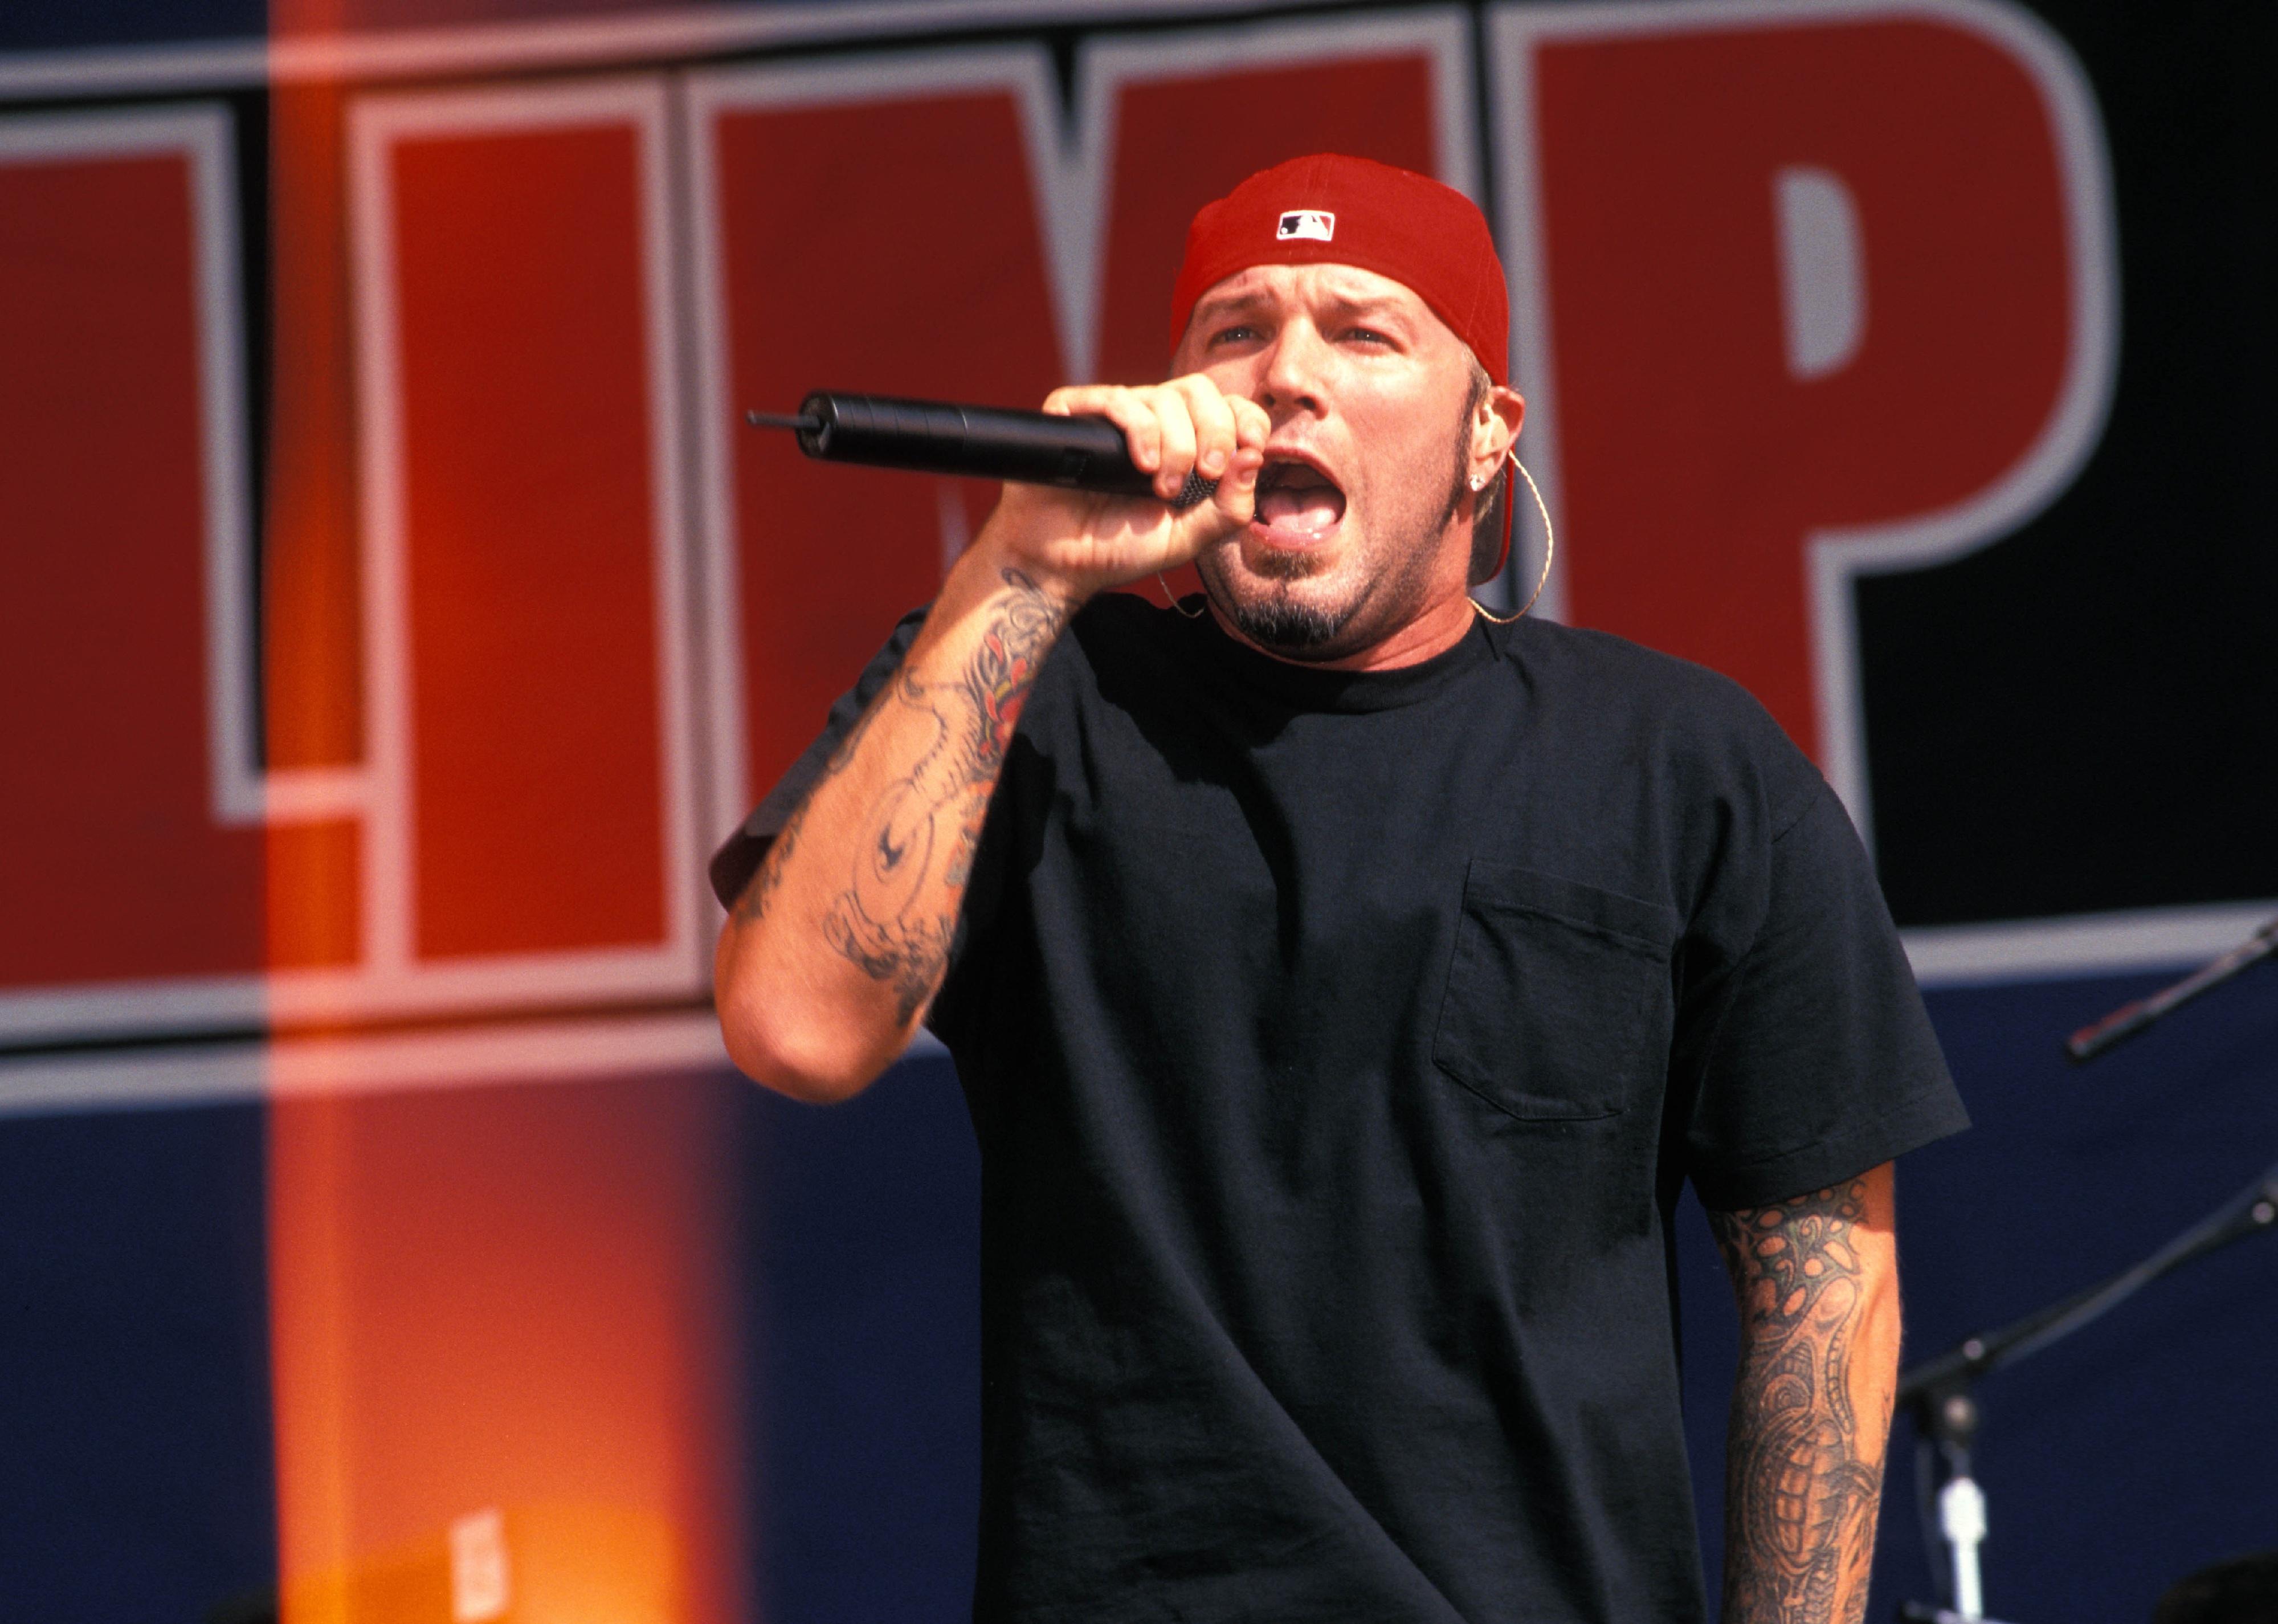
x=1305 y=510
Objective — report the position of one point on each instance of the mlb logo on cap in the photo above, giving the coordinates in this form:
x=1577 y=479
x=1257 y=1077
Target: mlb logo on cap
x=1317 y=224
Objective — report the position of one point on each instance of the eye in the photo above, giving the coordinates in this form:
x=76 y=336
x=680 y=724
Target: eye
x=1367 y=335
x=1239 y=332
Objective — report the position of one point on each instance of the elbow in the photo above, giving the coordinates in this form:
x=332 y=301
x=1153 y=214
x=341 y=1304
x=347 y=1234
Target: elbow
x=783 y=1044
x=792 y=1064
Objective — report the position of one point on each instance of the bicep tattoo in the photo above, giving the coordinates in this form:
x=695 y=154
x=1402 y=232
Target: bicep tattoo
x=898 y=914
x=1804 y=1477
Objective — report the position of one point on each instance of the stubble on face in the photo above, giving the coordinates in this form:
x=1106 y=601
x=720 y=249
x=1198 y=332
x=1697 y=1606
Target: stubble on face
x=1281 y=621
x=1402 y=482
x=1394 y=577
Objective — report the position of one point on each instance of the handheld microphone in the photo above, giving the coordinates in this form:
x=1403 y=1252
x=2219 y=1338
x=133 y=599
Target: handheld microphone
x=983 y=442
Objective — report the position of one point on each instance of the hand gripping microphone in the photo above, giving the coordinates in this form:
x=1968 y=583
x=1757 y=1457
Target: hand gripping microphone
x=981 y=442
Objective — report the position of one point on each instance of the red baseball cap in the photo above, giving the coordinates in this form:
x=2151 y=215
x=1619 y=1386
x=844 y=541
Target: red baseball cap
x=1329 y=209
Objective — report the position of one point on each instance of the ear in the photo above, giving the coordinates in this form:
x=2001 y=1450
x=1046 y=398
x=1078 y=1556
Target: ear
x=1495 y=428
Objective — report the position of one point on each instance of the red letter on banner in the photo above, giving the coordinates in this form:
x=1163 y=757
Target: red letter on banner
x=529 y=540
x=1183 y=140
x=1705 y=429
x=885 y=245
x=117 y=868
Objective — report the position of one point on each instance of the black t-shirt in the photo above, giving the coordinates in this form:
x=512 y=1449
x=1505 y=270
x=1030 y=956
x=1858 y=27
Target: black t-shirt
x=1337 y=1044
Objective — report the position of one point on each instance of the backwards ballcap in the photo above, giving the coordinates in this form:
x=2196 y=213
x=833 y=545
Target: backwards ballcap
x=1328 y=208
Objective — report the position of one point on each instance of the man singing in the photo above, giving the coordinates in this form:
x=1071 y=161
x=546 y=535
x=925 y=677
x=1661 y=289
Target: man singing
x=1344 y=985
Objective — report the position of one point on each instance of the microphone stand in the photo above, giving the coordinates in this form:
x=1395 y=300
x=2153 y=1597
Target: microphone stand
x=1946 y=1414
x=2090 y=1041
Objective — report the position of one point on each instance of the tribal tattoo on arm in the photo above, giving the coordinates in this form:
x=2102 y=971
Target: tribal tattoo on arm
x=1804 y=1471
x=898 y=915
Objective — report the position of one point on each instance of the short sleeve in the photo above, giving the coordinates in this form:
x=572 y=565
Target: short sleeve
x=1821 y=1062
x=739 y=857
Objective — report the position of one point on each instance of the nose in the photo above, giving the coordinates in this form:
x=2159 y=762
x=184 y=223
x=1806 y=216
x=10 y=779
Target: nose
x=1292 y=382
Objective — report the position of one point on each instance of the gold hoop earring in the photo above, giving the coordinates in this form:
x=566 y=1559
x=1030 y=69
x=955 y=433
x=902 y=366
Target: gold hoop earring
x=1549 y=551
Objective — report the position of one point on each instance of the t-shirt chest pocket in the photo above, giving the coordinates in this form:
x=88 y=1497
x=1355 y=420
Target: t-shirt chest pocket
x=1558 y=1005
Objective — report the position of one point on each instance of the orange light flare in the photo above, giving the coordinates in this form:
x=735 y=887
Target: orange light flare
x=504 y=1366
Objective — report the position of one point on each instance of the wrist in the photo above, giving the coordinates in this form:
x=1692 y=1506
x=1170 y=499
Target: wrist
x=995 y=558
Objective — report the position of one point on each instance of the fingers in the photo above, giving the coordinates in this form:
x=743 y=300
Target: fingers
x=1188 y=424
x=1252 y=425
x=1131 y=411
x=1175 y=416
x=1236 y=499
x=1210 y=416
x=1230 y=434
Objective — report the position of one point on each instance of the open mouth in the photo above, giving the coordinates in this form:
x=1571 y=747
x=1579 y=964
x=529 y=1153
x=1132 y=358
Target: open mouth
x=1297 y=504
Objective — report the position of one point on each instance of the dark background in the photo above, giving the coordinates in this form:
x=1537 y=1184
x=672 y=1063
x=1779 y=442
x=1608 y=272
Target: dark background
x=2086 y=716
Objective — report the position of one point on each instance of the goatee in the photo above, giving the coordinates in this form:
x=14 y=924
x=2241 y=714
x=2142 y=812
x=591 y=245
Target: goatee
x=1286 y=627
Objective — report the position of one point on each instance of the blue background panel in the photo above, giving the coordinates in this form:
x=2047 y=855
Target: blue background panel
x=135 y=1407
x=135 y=1417
x=863 y=1240
x=2143 y=1448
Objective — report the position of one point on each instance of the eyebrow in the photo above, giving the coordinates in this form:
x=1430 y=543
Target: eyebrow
x=1371 y=304
x=1226 y=304
x=1360 y=304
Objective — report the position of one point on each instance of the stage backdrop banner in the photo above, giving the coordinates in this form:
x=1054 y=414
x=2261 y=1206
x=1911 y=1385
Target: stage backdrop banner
x=395 y=611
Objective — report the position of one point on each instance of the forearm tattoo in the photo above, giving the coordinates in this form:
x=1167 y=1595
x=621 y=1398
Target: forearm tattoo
x=1804 y=1473
x=896 y=918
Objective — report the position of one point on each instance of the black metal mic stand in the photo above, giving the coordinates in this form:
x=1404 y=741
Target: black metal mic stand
x=1945 y=1409
x=2090 y=1041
